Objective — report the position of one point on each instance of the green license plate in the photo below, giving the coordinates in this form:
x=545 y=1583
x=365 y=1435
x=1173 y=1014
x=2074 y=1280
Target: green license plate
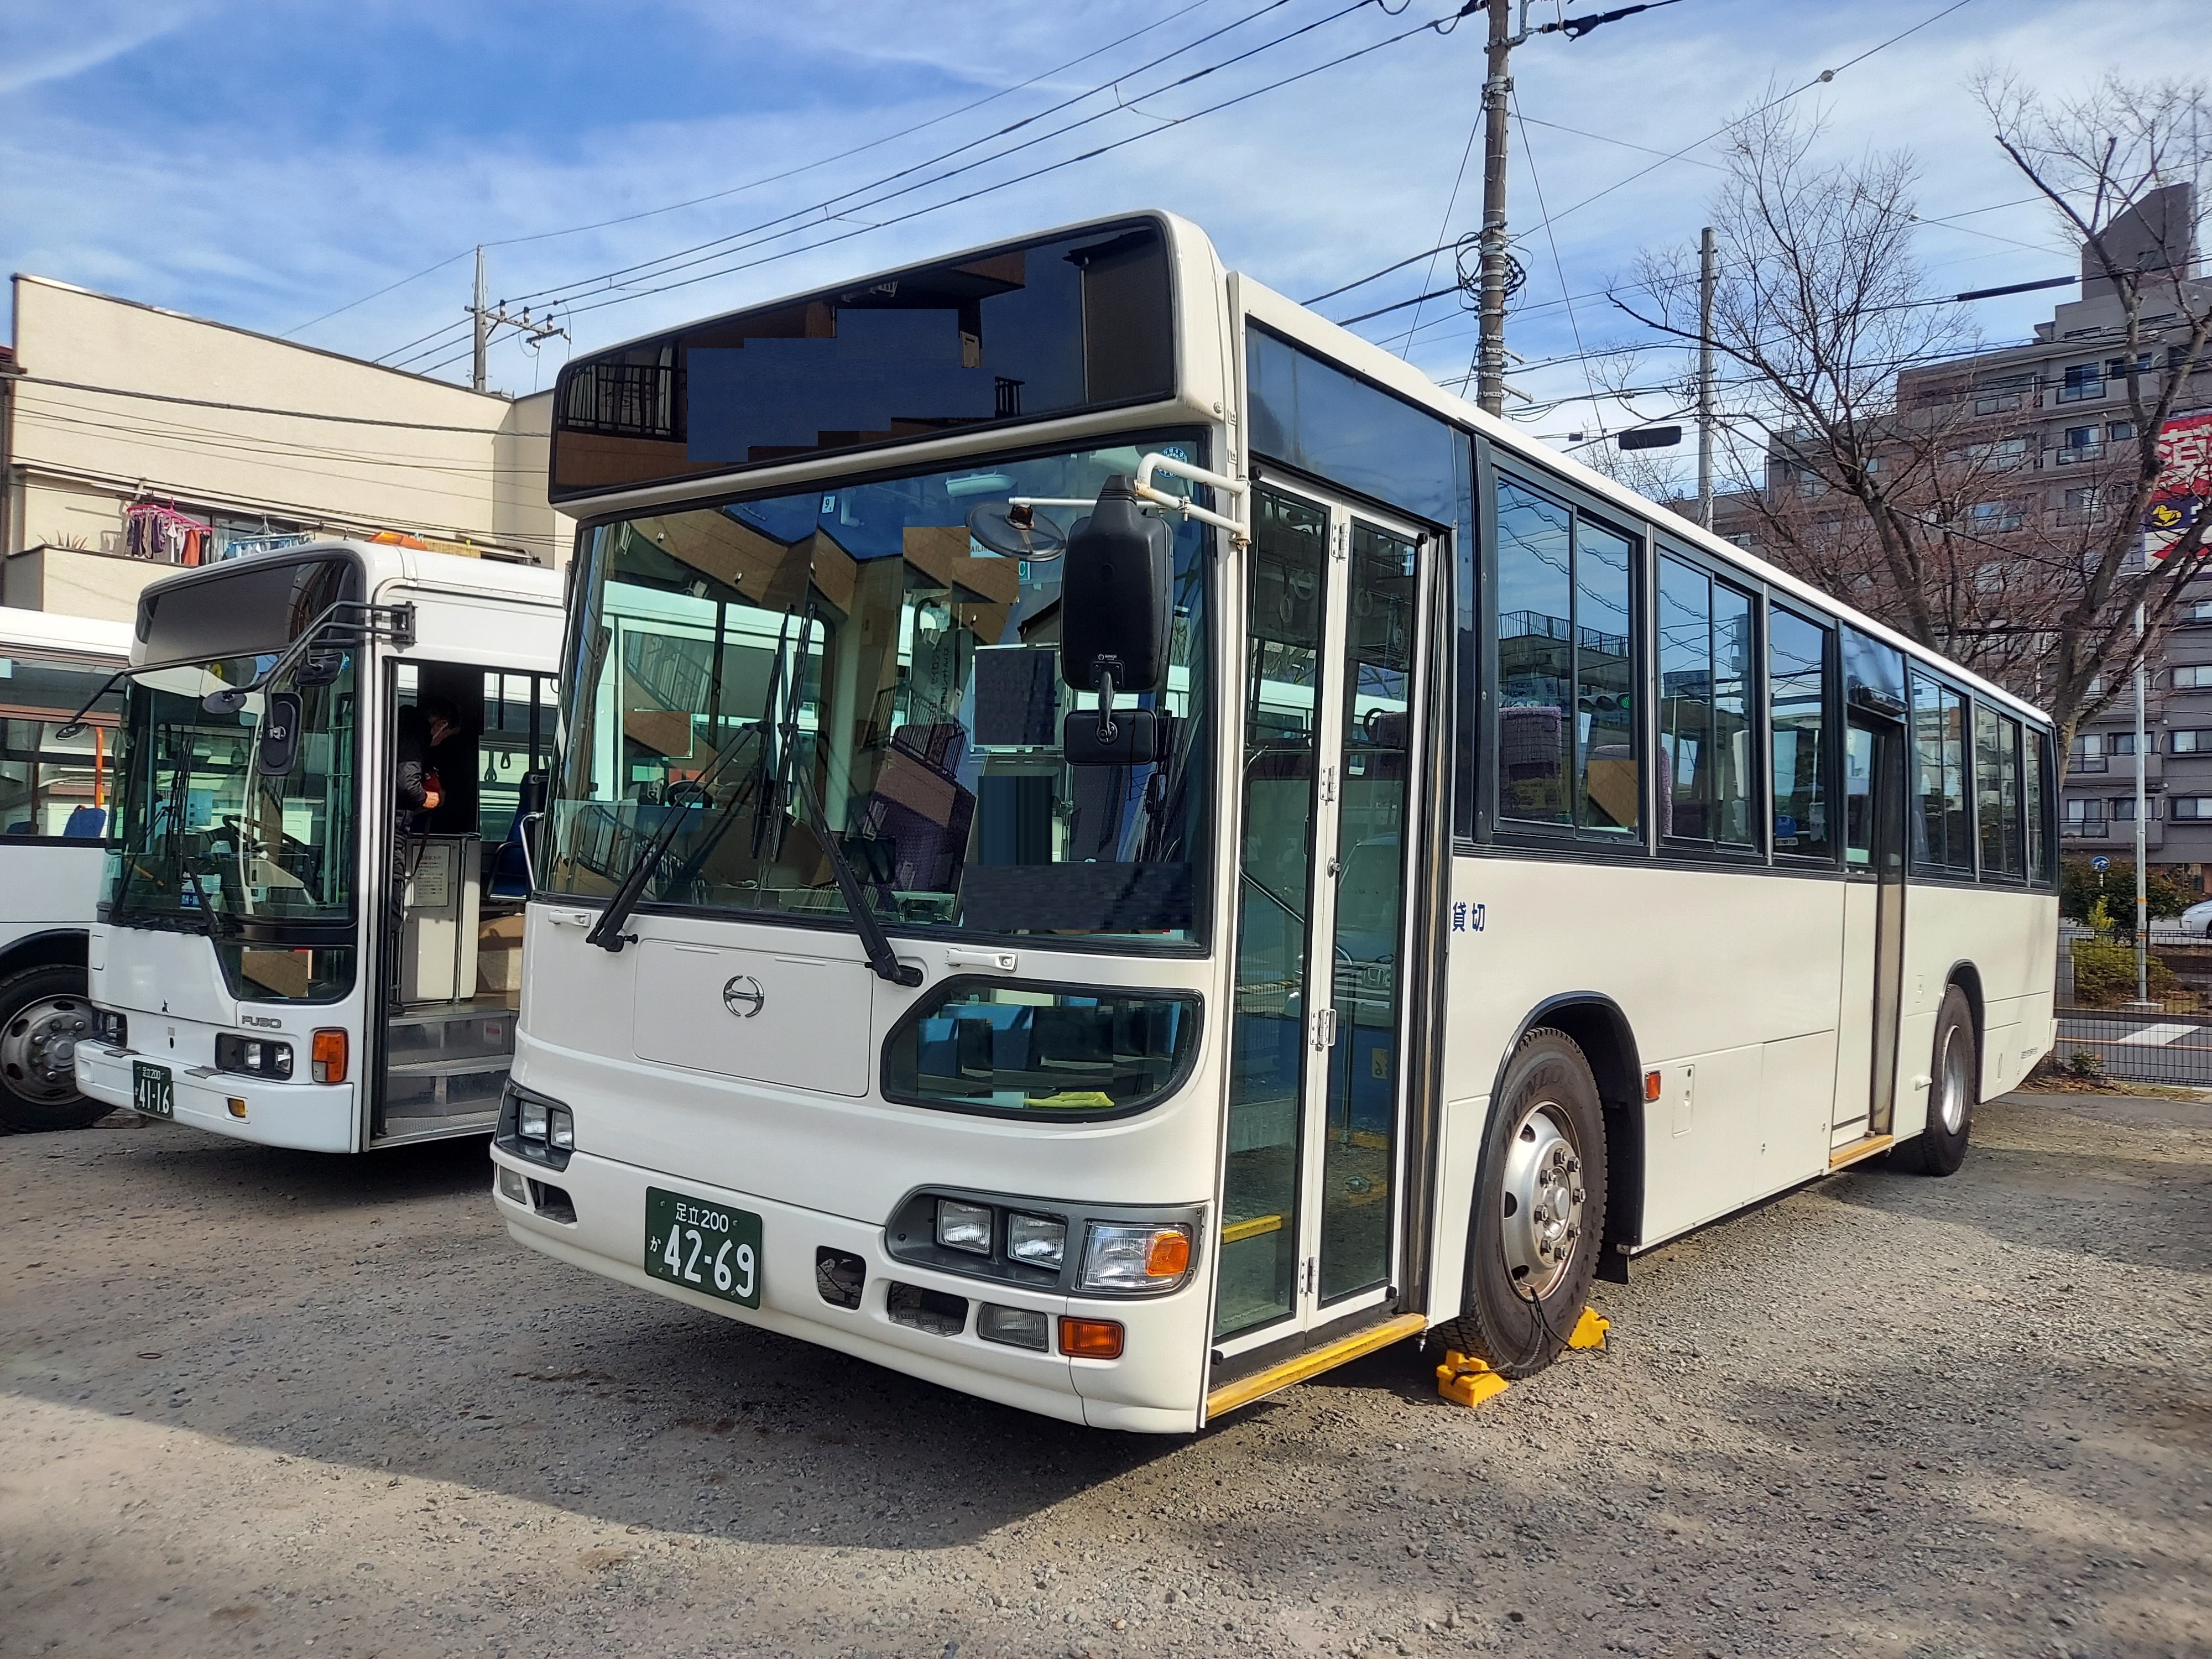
x=153 y=1091
x=704 y=1247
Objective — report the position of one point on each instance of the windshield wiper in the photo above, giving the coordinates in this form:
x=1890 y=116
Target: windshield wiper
x=607 y=933
x=865 y=922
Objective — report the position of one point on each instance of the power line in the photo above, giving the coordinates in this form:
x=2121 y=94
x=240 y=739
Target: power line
x=260 y=408
x=1824 y=76
x=660 y=264
x=765 y=230
x=768 y=179
x=1438 y=24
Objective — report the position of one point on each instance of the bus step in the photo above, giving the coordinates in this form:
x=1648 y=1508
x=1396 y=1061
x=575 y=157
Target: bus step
x=442 y=1088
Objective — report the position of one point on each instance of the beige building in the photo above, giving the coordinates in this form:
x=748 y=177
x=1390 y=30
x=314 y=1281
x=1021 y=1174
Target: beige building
x=134 y=439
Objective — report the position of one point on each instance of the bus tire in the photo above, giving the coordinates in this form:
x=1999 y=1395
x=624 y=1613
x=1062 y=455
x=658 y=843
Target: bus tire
x=43 y=1010
x=1941 y=1148
x=1539 y=1219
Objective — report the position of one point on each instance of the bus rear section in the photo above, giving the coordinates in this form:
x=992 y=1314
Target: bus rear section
x=58 y=714
x=284 y=955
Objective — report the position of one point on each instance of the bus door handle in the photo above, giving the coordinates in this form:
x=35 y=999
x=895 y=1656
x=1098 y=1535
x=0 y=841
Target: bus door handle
x=1324 y=1028
x=961 y=956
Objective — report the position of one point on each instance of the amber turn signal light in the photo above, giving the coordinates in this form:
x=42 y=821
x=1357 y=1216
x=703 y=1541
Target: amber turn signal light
x=1089 y=1339
x=1651 y=1085
x=327 y=1055
x=1169 y=1256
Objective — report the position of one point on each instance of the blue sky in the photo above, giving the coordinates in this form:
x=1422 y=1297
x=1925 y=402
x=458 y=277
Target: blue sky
x=264 y=165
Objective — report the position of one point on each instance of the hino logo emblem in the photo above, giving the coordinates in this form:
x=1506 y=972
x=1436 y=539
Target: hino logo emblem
x=743 y=997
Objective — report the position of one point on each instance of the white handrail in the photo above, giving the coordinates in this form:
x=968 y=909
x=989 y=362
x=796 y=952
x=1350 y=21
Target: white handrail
x=1232 y=488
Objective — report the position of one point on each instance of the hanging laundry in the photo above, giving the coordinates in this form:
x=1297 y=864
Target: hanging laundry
x=164 y=535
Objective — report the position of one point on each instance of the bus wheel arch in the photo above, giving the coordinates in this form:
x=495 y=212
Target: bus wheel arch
x=1597 y=1025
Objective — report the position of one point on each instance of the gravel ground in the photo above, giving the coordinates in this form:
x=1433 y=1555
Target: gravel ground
x=268 y=1402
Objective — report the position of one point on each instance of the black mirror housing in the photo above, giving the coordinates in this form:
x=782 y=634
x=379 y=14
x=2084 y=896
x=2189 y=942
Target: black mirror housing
x=1116 y=595
x=276 y=750
x=1142 y=737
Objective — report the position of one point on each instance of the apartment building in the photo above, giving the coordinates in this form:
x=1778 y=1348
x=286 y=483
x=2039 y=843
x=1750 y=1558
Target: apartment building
x=134 y=439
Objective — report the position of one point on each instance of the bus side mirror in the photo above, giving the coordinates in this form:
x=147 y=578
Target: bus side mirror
x=276 y=750
x=1115 y=610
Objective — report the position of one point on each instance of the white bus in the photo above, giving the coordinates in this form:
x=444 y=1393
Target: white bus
x=283 y=954
x=54 y=806
x=1114 y=847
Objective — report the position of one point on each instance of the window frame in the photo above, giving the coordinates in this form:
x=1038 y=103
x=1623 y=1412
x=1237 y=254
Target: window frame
x=1493 y=825
x=1755 y=593
x=1917 y=673
x=1832 y=716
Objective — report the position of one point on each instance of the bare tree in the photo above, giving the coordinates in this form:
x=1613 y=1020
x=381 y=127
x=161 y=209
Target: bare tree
x=1864 y=454
x=2126 y=170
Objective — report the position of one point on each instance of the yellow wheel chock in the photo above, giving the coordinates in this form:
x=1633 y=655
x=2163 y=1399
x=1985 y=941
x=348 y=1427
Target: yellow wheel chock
x=1467 y=1381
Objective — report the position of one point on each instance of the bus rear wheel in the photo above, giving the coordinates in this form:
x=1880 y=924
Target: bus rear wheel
x=43 y=1013
x=1941 y=1148
x=1538 y=1212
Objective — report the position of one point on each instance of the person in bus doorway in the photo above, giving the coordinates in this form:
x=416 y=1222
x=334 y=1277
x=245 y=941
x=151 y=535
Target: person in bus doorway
x=417 y=793
x=424 y=728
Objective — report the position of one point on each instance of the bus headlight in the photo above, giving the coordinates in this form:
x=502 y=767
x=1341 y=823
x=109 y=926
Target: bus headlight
x=535 y=1126
x=1037 y=1240
x=1119 y=1257
x=253 y=1056
x=963 y=1226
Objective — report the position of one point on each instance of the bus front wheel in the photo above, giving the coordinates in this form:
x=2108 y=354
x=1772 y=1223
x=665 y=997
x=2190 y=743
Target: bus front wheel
x=43 y=1012
x=1941 y=1148
x=1538 y=1210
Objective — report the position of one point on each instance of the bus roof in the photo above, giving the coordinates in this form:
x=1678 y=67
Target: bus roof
x=51 y=630
x=1192 y=251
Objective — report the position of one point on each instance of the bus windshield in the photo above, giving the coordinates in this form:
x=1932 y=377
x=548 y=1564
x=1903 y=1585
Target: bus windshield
x=852 y=648
x=209 y=844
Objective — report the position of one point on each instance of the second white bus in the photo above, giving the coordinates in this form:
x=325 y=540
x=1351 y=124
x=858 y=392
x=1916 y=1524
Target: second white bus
x=285 y=953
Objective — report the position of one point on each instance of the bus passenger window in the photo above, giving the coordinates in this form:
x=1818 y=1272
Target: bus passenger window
x=1535 y=660
x=1686 y=712
x=1942 y=836
x=1996 y=792
x=1734 y=733
x=1609 y=790
x=2038 y=866
x=1797 y=660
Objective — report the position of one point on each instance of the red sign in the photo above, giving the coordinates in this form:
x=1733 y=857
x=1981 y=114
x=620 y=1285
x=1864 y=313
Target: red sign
x=2185 y=482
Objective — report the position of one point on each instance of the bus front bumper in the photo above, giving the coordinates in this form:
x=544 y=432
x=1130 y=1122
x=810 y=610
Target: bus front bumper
x=1153 y=1388
x=308 y=1117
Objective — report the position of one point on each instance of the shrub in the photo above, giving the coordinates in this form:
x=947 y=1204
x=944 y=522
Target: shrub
x=2104 y=975
x=2083 y=1062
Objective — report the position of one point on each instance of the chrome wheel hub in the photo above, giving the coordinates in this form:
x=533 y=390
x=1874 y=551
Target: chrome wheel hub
x=37 y=1051
x=1542 y=1214
x=1953 y=1079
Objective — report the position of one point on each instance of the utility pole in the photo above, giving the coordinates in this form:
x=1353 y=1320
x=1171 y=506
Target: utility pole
x=483 y=327
x=488 y=317
x=1706 y=266
x=1489 y=348
x=1497 y=261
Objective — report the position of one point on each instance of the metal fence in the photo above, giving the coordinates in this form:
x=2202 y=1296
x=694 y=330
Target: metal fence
x=2099 y=1035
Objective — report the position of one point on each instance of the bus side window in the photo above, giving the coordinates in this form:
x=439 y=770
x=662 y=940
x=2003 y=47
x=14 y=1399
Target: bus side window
x=1942 y=832
x=2035 y=753
x=1566 y=732
x=1997 y=794
x=1798 y=653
